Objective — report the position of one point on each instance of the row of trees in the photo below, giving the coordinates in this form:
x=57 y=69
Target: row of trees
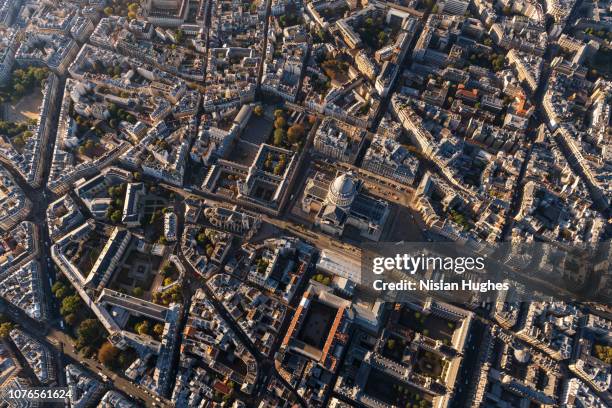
x=5 y=329
x=373 y=33
x=70 y=302
x=89 y=148
x=325 y=280
x=168 y=270
x=496 y=60
x=604 y=353
x=174 y=294
x=319 y=35
x=600 y=33
x=460 y=219
x=119 y=7
x=119 y=114
x=277 y=168
x=288 y=20
x=334 y=68
x=284 y=136
x=15 y=130
x=144 y=328
x=114 y=358
x=19 y=140
x=23 y=81
x=89 y=332
x=115 y=210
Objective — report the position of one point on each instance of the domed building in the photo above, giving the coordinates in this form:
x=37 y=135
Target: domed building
x=339 y=202
x=343 y=190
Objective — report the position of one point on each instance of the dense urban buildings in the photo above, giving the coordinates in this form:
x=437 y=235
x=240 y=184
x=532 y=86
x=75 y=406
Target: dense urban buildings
x=203 y=203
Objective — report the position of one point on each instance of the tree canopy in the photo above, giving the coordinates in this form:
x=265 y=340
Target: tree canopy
x=5 y=329
x=108 y=354
x=70 y=304
x=295 y=133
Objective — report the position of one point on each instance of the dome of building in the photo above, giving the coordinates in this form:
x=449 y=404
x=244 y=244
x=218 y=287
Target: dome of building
x=342 y=190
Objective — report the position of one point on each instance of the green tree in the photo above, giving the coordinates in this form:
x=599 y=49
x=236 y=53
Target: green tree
x=57 y=286
x=280 y=123
x=18 y=141
x=201 y=238
x=295 y=133
x=158 y=329
x=166 y=270
x=258 y=110
x=137 y=291
x=108 y=354
x=70 y=304
x=5 y=329
x=108 y=11
x=89 y=332
x=142 y=327
x=71 y=319
x=116 y=216
x=382 y=37
x=41 y=73
x=62 y=292
x=279 y=135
